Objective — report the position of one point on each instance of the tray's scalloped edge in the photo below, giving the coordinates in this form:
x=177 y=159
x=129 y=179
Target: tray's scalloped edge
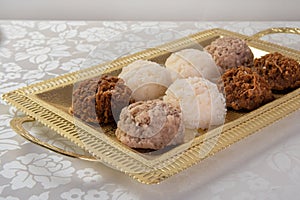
x=141 y=169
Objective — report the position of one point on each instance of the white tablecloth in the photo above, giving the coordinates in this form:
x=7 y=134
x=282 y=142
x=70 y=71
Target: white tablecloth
x=265 y=165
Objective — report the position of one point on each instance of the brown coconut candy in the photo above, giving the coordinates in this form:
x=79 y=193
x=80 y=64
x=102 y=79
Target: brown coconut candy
x=230 y=52
x=112 y=96
x=245 y=89
x=280 y=72
x=100 y=100
x=83 y=100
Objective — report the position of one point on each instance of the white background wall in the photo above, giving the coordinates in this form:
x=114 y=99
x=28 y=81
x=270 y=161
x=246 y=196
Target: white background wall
x=151 y=9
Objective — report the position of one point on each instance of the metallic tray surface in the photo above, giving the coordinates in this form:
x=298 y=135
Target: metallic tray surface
x=48 y=102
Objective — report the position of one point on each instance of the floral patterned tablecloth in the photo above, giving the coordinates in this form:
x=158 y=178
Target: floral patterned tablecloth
x=266 y=165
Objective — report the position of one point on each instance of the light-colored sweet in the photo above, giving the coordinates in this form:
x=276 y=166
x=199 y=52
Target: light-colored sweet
x=147 y=80
x=192 y=62
x=152 y=124
x=202 y=104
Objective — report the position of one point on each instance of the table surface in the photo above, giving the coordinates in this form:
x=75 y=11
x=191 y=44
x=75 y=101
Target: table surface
x=265 y=165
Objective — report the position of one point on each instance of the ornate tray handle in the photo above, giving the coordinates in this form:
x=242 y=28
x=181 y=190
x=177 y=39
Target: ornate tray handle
x=269 y=31
x=17 y=125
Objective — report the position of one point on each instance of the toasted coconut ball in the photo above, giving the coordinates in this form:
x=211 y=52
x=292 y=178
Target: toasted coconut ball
x=151 y=124
x=202 y=104
x=230 y=52
x=100 y=100
x=245 y=89
x=83 y=100
x=279 y=71
x=112 y=95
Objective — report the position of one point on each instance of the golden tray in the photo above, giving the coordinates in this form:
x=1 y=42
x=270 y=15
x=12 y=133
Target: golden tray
x=48 y=102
